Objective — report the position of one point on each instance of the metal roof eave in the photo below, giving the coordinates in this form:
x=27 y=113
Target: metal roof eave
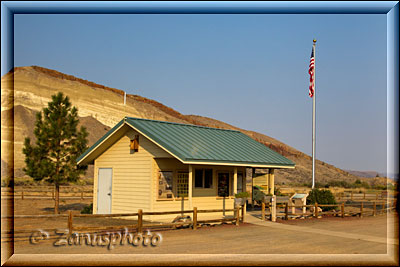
x=99 y=142
x=248 y=164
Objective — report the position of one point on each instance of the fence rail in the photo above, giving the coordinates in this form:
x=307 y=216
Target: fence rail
x=66 y=192
x=387 y=206
x=365 y=196
x=86 y=192
x=138 y=226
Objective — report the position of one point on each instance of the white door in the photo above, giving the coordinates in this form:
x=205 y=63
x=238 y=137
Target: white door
x=104 y=191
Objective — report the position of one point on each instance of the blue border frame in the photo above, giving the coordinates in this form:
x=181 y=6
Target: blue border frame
x=390 y=8
x=9 y=8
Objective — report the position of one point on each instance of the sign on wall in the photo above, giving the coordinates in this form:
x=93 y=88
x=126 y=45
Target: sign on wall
x=165 y=184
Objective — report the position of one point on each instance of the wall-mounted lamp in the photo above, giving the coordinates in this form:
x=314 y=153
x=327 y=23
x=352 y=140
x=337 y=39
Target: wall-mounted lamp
x=134 y=145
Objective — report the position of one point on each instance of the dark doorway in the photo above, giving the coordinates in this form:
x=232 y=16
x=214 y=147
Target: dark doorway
x=223 y=184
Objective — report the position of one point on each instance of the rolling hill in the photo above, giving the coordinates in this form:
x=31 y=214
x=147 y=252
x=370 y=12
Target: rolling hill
x=26 y=90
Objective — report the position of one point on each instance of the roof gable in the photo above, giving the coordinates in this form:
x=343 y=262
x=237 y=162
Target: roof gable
x=193 y=144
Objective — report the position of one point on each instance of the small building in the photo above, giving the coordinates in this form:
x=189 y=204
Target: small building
x=164 y=166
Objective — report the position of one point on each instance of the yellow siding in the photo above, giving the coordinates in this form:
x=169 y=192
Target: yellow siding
x=261 y=180
x=131 y=181
x=135 y=181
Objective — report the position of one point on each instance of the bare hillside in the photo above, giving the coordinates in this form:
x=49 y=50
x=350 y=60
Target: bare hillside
x=28 y=89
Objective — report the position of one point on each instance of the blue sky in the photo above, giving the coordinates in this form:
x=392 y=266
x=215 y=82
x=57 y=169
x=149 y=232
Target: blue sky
x=250 y=71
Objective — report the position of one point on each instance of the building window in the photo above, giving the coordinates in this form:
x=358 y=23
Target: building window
x=208 y=178
x=165 y=184
x=198 y=178
x=203 y=178
x=183 y=184
x=239 y=182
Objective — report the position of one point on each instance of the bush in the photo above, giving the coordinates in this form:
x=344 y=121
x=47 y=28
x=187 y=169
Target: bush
x=87 y=209
x=320 y=185
x=258 y=195
x=323 y=196
x=277 y=192
x=345 y=184
x=242 y=195
x=380 y=187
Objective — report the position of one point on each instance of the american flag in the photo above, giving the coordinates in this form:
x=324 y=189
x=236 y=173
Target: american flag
x=311 y=72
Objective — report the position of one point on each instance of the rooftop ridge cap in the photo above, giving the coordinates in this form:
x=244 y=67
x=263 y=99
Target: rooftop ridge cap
x=183 y=124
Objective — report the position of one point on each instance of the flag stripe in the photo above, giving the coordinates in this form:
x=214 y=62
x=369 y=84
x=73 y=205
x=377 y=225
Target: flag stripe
x=311 y=72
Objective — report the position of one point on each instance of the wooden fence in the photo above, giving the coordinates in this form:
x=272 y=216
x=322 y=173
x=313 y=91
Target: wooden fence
x=66 y=192
x=383 y=195
x=86 y=192
x=138 y=226
x=339 y=209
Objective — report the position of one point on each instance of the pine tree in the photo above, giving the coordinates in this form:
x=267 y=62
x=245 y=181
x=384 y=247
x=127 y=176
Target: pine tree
x=58 y=145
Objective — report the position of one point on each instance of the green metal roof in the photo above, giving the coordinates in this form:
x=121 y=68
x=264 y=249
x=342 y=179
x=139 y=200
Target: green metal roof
x=198 y=144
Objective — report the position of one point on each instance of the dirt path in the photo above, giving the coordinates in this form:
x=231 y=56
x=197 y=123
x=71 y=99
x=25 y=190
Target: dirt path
x=373 y=237
x=349 y=228
x=267 y=238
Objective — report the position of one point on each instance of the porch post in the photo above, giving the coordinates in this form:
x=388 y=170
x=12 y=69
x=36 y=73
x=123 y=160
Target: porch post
x=252 y=185
x=235 y=180
x=235 y=188
x=190 y=185
x=271 y=181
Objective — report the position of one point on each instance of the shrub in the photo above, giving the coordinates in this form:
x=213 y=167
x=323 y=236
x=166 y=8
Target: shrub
x=87 y=209
x=277 y=192
x=323 y=196
x=258 y=195
x=340 y=183
x=380 y=187
x=242 y=195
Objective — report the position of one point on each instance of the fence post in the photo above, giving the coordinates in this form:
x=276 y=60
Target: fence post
x=81 y=195
x=22 y=195
x=263 y=211
x=140 y=221
x=342 y=209
x=273 y=208
x=194 y=218
x=237 y=216
x=52 y=194
x=374 y=212
x=316 y=210
x=286 y=211
x=364 y=194
x=70 y=222
x=243 y=211
x=361 y=209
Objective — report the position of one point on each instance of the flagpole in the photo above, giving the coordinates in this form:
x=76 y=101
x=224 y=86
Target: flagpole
x=313 y=124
